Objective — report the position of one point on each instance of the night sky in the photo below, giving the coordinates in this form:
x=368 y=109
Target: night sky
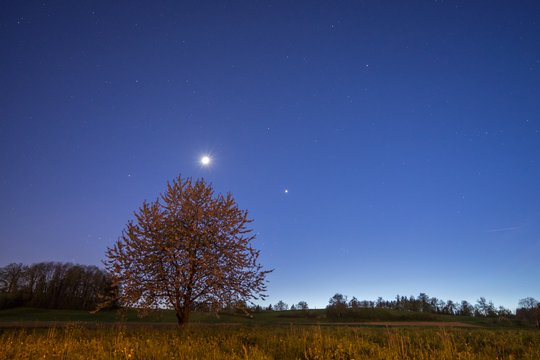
x=381 y=147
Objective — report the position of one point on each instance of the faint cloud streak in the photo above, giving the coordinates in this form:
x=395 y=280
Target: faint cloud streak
x=504 y=229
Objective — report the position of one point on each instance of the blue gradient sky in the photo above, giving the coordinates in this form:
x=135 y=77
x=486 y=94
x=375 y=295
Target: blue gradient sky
x=406 y=133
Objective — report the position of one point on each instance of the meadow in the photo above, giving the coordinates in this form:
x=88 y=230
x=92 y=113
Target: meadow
x=65 y=334
x=268 y=342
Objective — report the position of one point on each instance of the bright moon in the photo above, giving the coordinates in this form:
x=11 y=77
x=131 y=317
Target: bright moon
x=205 y=160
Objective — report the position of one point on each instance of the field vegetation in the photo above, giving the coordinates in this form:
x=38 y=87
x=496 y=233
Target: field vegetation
x=268 y=342
x=293 y=334
x=44 y=317
x=47 y=310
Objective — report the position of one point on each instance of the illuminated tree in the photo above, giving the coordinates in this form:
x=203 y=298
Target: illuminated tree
x=187 y=249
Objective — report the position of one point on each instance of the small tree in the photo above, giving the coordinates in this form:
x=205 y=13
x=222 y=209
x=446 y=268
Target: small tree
x=302 y=305
x=503 y=312
x=528 y=303
x=485 y=308
x=426 y=304
x=337 y=306
x=281 y=306
x=186 y=249
x=529 y=310
x=449 y=307
x=466 y=309
x=338 y=301
x=354 y=303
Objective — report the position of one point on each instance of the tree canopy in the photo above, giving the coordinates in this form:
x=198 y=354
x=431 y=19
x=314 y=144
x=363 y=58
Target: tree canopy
x=185 y=250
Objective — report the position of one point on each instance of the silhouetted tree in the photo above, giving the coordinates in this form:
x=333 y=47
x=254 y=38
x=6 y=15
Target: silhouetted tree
x=398 y=305
x=52 y=285
x=485 y=308
x=529 y=310
x=337 y=306
x=414 y=305
x=11 y=277
x=302 y=305
x=439 y=306
x=11 y=282
x=528 y=303
x=425 y=304
x=338 y=300
x=466 y=309
x=449 y=307
x=186 y=248
x=281 y=306
x=503 y=312
x=354 y=303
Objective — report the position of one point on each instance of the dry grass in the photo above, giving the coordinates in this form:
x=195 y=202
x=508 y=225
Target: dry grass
x=76 y=342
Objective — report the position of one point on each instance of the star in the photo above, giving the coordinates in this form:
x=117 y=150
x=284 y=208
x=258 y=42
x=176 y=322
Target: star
x=286 y=191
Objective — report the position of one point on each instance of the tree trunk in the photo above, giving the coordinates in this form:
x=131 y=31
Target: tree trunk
x=182 y=316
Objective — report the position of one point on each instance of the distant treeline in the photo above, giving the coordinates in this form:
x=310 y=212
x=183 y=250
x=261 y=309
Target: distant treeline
x=423 y=306
x=422 y=303
x=53 y=285
x=338 y=305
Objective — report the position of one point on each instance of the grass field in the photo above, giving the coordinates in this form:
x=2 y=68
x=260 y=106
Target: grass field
x=263 y=318
x=67 y=334
x=268 y=342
